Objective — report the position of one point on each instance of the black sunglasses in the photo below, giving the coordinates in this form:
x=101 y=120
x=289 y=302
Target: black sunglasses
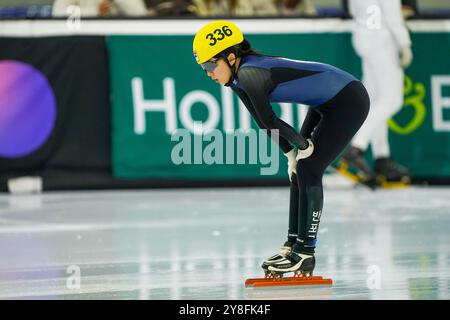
x=210 y=65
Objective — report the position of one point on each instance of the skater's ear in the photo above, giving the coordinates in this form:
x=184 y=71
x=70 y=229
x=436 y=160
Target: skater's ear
x=231 y=58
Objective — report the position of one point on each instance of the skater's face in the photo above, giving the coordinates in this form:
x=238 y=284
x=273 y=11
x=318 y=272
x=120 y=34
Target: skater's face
x=218 y=70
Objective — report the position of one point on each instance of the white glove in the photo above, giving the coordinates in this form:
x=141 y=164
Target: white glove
x=292 y=162
x=406 y=57
x=303 y=154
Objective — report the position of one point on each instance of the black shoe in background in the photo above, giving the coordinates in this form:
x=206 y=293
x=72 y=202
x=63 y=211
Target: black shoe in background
x=354 y=159
x=388 y=170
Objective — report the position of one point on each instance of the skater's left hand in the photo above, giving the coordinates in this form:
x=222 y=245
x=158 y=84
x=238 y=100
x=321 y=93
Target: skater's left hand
x=305 y=153
x=292 y=162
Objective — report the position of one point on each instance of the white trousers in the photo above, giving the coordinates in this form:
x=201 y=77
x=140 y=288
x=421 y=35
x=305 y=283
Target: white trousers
x=383 y=79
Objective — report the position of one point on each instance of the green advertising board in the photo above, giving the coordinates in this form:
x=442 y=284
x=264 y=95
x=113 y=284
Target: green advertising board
x=159 y=94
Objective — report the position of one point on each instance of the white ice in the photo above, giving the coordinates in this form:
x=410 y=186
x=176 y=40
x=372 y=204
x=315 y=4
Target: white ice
x=203 y=244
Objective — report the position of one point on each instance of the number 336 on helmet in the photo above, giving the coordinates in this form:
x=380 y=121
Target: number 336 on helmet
x=215 y=37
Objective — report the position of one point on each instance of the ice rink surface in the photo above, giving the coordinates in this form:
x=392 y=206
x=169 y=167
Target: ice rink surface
x=203 y=244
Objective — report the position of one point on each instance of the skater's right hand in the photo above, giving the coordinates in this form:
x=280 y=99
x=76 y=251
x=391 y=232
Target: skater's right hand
x=292 y=162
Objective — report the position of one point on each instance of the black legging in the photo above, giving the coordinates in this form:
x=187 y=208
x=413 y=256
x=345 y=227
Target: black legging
x=331 y=126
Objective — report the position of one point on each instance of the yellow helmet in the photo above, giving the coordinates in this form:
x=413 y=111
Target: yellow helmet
x=215 y=37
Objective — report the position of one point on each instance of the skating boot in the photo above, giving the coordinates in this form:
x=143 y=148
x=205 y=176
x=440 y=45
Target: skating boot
x=301 y=264
x=391 y=174
x=281 y=255
x=353 y=165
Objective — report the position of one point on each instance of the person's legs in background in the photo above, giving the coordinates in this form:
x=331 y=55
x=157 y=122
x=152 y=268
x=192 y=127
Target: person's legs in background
x=383 y=79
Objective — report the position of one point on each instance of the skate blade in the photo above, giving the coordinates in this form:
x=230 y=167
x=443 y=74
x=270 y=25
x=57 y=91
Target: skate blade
x=251 y=281
x=385 y=184
x=393 y=185
x=288 y=281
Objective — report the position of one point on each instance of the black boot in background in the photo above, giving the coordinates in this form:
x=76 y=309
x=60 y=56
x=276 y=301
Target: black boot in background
x=353 y=164
x=387 y=170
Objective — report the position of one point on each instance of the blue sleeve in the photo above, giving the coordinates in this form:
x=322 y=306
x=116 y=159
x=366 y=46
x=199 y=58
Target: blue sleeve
x=257 y=84
x=283 y=143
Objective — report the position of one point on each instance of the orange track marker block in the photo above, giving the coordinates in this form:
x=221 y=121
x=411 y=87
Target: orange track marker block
x=288 y=281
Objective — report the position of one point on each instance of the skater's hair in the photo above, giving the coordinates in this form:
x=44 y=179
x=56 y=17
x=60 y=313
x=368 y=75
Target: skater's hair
x=240 y=50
